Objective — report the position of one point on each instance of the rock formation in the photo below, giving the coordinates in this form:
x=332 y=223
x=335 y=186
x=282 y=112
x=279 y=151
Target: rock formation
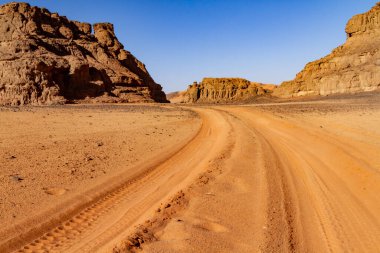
x=350 y=68
x=47 y=59
x=212 y=90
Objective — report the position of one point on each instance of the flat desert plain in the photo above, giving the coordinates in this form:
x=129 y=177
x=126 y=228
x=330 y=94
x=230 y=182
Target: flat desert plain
x=285 y=177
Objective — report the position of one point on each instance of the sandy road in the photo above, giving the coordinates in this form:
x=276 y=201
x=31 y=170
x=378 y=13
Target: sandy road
x=106 y=219
x=284 y=187
x=324 y=188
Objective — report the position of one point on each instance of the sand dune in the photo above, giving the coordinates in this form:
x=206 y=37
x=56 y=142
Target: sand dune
x=298 y=177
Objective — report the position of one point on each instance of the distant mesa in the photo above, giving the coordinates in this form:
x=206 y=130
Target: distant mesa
x=47 y=59
x=221 y=90
x=350 y=68
x=176 y=97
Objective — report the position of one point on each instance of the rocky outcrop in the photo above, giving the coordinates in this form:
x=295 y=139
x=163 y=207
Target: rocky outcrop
x=352 y=67
x=47 y=59
x=212 y=90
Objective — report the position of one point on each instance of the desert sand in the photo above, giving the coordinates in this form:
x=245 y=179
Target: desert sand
x=290 y=177
x=80 y=171
x=56 y=161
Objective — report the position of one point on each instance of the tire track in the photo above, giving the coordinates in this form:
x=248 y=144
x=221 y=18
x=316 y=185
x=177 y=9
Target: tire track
x=281 y=208
x=113 y=214
x=144 y=232
x=326 y=177
x=308 y=201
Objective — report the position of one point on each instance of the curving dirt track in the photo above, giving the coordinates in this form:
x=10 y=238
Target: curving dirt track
x=106 y=219
x=324 y=188
x=281 y=186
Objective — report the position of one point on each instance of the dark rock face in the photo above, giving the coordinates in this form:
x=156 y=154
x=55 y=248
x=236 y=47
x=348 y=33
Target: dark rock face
x=47 y=59
x=350 y=68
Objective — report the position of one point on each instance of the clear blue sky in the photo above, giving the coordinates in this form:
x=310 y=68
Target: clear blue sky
x=182 y=41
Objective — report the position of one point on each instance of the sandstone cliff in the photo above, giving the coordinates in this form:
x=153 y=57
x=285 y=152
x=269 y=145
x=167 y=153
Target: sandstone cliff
x=47 y=59
x=212 y=90
x=352 y=67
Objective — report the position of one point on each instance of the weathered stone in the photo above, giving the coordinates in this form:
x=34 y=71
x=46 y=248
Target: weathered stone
x=83 y=27
x=352 y=67
x=47 y=59
x=212 y=90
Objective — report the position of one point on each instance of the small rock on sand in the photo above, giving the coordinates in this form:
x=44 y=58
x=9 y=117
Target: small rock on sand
x=17 y=177
x=54 y=191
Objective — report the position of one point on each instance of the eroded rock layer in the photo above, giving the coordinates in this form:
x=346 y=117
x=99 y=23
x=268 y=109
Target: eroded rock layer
x=352 y=67
x=47 y=59
x=212 y=90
